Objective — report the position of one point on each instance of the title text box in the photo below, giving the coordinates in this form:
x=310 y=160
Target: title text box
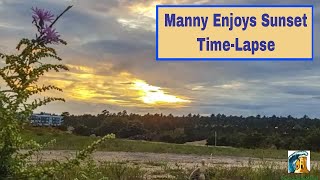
x=177 y=41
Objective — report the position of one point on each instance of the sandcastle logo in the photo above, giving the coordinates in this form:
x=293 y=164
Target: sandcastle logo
x=298 y=161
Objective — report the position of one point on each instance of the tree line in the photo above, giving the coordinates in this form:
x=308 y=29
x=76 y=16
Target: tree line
x=237 y=131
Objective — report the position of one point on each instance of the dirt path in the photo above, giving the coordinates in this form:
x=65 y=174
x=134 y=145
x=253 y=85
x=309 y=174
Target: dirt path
x=155 y=164
x=149 y=158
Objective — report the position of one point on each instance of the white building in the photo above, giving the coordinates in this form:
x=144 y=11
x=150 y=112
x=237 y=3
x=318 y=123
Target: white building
x=46 y=120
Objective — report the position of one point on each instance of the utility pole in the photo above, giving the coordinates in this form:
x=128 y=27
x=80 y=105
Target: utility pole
x=215 y=138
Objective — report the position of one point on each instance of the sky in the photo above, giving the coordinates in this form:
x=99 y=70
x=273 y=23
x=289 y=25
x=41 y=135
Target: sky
x=111 y=57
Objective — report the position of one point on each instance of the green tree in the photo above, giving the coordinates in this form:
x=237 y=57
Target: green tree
x=65 y=114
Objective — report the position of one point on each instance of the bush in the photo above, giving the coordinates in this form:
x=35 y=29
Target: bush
x=21 y=74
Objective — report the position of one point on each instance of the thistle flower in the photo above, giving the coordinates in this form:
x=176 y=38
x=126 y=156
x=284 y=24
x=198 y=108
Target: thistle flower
x=41 y=15
x=50 y=35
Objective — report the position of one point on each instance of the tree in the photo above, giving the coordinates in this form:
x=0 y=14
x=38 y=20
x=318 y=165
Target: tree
x=132 y=128
x=65 y=114
x=105 y=112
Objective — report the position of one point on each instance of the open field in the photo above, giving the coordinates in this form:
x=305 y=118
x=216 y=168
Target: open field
x=189 y=160
x=165 y=158
x=155 y=160
x=178 y=166
x=71 y=142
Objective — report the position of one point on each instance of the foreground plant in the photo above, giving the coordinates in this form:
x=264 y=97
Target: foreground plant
x=17 y=102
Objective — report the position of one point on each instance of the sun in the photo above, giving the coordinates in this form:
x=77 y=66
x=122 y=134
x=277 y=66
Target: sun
x=155 y=95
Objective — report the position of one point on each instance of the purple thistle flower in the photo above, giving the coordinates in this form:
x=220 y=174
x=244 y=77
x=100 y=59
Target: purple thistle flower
x=50 y=35
x=41 y=16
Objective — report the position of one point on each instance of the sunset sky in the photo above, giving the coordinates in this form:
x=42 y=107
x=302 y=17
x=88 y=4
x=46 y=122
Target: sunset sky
x=111 y=56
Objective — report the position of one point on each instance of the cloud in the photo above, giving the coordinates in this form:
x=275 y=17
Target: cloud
x=111 y=44
x=119 y=46
x=123 y=89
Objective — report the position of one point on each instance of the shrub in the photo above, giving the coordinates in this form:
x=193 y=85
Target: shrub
x=21 y=74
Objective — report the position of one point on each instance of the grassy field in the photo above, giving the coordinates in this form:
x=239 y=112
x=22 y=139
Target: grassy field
x=127 y=170
x=123 y=171
x=71 y=142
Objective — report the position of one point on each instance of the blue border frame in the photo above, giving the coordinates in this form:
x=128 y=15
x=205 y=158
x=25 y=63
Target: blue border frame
x=232 y=59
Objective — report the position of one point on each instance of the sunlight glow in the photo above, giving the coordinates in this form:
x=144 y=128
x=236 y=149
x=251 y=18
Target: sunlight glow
x=154 y=95
x=146 y=10
x=85 y=84
x=83 y=93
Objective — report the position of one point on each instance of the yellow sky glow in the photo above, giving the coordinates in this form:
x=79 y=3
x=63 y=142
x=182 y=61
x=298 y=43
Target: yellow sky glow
x=146 y=10
x=153 y=95
x=84 y=84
